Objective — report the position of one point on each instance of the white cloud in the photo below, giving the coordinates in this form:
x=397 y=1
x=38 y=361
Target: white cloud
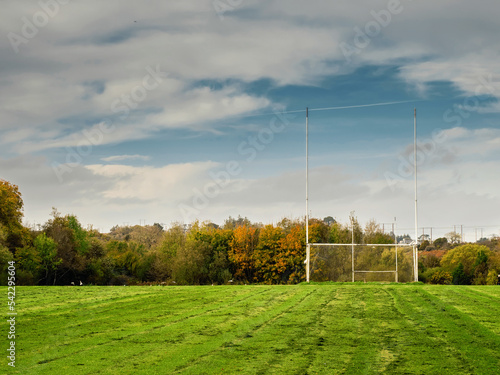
x=204 y=105
x=125 y=157
x=466 y=142
x=287 y=42
x=150 y=183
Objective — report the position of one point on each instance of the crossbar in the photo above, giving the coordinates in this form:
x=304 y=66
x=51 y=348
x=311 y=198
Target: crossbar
x=360 y=244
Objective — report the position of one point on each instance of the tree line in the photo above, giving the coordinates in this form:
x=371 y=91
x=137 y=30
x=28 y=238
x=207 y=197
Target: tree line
x=62 y=252
x=447 y=261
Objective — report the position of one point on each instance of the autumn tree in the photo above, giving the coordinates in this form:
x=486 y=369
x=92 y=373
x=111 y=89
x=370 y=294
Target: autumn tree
x=270 y=263
x=466 y=256
x=293 y=253
x=318 y=231
x=242 y=247
x=11 y=215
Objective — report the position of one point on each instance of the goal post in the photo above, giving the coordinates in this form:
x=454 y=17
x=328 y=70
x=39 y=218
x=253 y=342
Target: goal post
x=313 y=254
x=361 y=262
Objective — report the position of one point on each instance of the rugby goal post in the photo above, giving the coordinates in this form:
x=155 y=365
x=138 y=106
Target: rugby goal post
x=361 y=262
x=414 y=260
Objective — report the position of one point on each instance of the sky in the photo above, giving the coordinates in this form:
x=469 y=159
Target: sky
x=128 y=112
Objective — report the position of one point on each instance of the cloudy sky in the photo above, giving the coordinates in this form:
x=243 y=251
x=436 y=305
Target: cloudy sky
x=126 y=112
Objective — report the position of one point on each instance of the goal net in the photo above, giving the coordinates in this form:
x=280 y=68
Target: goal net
x=367 y=262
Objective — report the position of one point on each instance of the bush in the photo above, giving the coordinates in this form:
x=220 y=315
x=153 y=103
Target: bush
x=492 y=278
x=430 y=261
x=439 y=276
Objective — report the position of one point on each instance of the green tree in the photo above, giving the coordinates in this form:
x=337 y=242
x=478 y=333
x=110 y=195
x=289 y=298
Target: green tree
x=130 y=259
x=481 y=269
x=190 y=263
x=46 y=250
x=28 y=263
x=329 y=220
x=219 y=268
x=423 y=245
x=441 y=243
x=460 y=277
x=80 y=236
x=5 y=257
x=73 y=244
x=164 y=253
x=99 y=266
x=342 y=234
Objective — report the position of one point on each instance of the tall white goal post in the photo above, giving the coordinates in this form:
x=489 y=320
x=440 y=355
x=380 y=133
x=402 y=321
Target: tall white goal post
x=354 y=271
x=308 y=248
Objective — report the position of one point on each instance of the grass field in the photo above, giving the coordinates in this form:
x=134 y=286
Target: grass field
x=302 y=329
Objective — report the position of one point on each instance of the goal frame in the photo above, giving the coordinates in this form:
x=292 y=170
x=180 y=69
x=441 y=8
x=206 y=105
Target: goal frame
x=415 y=242
x=353 y=245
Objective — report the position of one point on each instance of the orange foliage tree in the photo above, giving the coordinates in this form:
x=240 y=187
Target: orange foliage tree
x=241 y=252
x=268 y=257
x=293 y=254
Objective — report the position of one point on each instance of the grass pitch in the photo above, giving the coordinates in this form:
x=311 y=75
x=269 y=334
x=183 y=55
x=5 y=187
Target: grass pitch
x=302 y=329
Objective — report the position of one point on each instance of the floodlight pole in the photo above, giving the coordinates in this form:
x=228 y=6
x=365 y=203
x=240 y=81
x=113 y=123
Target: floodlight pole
x=308 y=247
x=415 y=251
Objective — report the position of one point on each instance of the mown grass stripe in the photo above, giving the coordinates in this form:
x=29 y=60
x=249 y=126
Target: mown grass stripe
x=123 y=334
x=302 y=329
x=478 y=306
x=462 y=343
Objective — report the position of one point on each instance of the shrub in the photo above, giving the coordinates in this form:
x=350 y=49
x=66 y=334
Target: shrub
x=439 y=276
x=492 y=278
x=430 y=261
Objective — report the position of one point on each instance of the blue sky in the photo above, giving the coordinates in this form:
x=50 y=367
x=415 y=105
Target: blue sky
x=120 y=113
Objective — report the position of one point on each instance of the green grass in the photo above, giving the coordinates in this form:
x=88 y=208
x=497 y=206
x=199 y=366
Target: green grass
x=302 y=329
